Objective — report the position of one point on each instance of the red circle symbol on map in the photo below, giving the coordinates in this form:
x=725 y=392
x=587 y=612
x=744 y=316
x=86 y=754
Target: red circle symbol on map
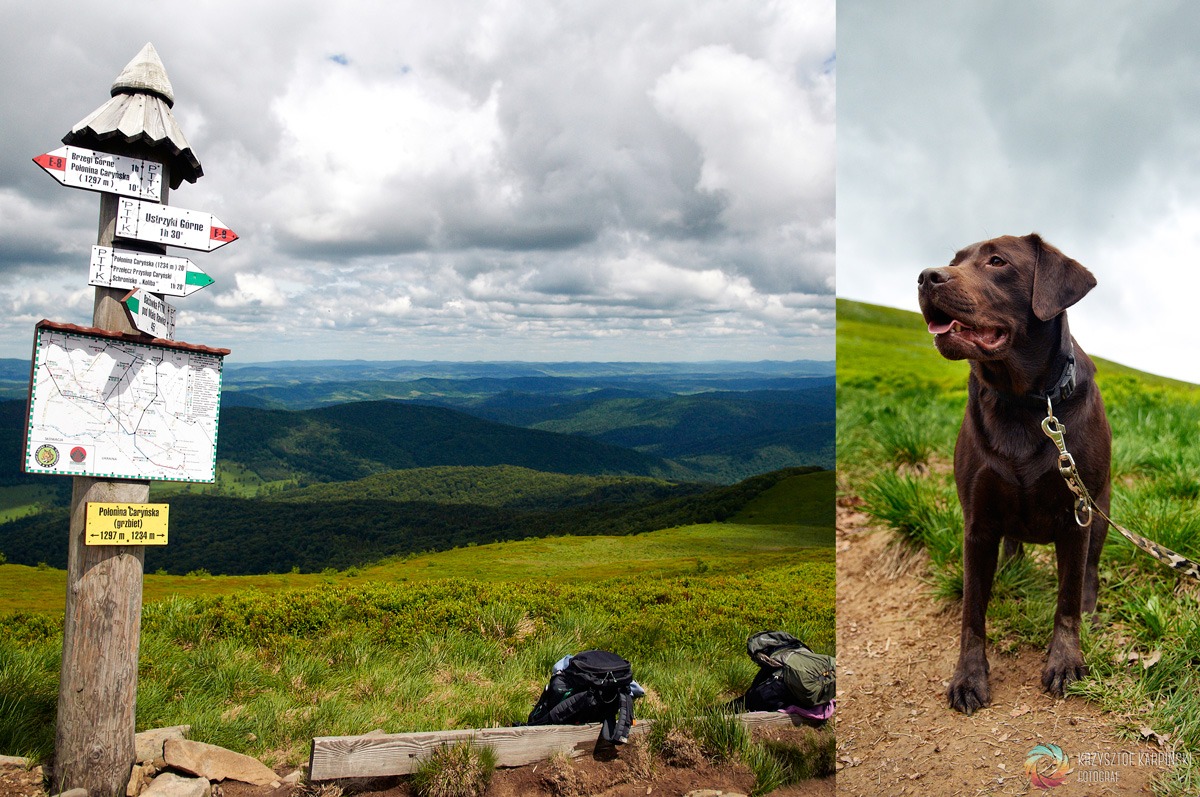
x=78 y=454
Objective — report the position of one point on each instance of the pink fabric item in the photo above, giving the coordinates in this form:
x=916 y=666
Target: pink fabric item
x=821 y=712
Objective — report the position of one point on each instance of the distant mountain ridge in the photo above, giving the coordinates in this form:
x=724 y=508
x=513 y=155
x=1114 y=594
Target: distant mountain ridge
x=710 y=421
x=350 y=441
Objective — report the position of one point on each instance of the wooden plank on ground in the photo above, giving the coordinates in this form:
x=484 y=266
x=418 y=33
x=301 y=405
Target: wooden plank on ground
x=381 y=755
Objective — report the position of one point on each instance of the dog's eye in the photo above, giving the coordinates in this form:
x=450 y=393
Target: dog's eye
x=996 y=260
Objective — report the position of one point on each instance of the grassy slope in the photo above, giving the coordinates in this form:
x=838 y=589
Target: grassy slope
x=899 y=406
x=461 y=639
x=887 y=345
x=760 y=535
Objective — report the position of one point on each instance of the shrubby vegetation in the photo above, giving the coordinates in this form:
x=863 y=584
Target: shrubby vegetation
x=262 y=672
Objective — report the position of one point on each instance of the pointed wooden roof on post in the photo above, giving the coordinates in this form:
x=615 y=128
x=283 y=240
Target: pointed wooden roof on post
x=140 y=112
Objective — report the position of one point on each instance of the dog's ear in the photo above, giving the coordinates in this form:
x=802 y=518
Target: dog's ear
x=1058 y=281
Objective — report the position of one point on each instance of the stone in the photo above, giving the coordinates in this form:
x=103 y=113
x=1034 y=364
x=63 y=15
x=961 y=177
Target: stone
x=169 y=784
x=137 y=781
x=73 y=793
x=15 y=761
x=216 y=763
x=293 y=777
x=148 y=745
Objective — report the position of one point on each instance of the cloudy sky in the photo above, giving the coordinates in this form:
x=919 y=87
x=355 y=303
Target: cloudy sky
x=649 y=180
x=1079 y=120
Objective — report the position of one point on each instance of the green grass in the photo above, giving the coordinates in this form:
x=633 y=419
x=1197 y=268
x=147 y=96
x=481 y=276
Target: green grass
x=899 y=408
x=264 y=672
x=806 y=500
x=685 y=734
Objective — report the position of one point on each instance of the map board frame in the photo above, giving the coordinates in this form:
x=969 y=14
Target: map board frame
x=95 y=442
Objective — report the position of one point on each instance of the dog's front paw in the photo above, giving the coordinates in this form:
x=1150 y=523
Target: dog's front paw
x=1062 y=670
x=969 y=690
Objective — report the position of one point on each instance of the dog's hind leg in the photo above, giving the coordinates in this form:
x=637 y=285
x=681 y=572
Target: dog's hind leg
x=1098 y=533
x=1013 y=549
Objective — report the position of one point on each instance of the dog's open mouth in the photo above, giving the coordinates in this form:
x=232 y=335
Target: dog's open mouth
x=986 y=338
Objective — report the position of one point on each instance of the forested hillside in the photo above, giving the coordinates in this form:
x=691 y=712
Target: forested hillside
x=228 y=535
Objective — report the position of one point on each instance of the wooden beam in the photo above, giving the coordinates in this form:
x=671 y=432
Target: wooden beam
x=381 y=755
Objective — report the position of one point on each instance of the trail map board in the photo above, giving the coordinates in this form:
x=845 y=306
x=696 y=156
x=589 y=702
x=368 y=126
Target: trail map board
x=103 y=406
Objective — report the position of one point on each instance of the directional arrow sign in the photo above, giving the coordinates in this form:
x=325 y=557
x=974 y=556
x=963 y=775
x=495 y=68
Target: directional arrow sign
x=161 y=224
x=151 y=314
x=120 y=268
x=100 y=171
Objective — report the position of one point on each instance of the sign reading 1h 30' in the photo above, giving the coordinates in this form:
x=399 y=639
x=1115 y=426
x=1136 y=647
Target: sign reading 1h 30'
x=161 y=224
x=100 y=171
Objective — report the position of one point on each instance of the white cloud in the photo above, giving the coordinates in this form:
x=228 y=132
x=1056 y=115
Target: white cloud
x=577 y=180
x=256 y=290
x=767 y=145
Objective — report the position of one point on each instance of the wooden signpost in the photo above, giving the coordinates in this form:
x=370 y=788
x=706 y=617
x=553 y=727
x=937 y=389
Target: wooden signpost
x=131 y=146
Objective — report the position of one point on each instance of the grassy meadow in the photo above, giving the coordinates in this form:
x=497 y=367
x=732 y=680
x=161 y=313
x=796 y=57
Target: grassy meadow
x=458 y=639
x=899 y=408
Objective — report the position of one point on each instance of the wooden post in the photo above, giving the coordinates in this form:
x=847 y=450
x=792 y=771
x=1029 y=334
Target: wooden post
x=97 y=693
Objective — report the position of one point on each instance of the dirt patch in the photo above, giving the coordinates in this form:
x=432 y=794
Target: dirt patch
x=18 y=781
x=897 y=647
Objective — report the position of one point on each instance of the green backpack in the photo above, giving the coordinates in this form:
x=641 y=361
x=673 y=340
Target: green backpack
x=810 y=678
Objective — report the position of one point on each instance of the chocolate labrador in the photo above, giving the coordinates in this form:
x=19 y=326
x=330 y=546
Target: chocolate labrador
x=1002 y=305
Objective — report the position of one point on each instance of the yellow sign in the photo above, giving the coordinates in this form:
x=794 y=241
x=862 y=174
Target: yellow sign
x=126 y=524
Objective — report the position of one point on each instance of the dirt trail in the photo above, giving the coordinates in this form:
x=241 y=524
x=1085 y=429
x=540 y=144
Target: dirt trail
x=897 y=647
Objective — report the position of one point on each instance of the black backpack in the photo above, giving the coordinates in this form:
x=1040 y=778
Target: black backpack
x=593 y=687
x=790 y=673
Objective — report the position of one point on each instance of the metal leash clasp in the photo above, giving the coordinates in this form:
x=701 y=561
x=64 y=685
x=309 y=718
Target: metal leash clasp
x=1056 y=431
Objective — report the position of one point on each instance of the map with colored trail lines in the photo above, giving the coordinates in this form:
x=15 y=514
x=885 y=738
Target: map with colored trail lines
x=109 y=408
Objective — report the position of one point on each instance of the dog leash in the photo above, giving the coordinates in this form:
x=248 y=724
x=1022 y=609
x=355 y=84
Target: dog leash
x=1084 y=505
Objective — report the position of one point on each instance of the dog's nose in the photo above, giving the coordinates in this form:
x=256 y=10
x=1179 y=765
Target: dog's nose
x=933 y=276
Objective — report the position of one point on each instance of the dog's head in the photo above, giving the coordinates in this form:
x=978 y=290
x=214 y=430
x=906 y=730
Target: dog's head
x=998 y=294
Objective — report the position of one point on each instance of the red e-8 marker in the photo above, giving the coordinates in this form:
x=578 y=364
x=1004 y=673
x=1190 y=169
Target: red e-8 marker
x=101 y=171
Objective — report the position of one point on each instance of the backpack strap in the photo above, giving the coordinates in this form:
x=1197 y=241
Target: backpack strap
x=564 y=712
x=617 y=726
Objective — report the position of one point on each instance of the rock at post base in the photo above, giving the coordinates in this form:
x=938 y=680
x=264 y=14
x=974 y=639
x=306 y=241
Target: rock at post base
x=216 y=763
x=149 y=744
x=169 y=784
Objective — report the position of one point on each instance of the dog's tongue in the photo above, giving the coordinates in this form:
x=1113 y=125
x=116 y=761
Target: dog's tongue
x=937 y=329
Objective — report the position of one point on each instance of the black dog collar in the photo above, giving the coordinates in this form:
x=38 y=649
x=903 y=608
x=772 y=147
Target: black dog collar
x=1062 y=389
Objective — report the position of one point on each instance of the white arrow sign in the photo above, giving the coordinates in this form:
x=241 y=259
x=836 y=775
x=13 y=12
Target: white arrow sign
x=162 y=224
x=100 y=171
x=151 y=314
x=121 y=268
